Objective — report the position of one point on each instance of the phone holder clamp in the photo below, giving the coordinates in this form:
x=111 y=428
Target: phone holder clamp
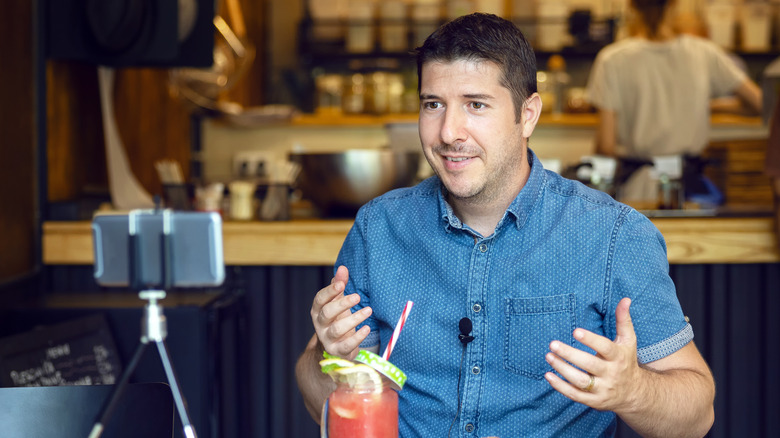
x=154 y=328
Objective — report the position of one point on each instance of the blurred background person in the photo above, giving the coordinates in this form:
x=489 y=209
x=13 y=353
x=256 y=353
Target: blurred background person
x=654 y=90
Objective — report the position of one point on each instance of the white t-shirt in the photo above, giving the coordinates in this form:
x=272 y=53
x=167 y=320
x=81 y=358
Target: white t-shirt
x=660 y=92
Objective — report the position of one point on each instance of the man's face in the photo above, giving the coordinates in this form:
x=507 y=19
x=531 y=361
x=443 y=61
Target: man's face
x=469 y=132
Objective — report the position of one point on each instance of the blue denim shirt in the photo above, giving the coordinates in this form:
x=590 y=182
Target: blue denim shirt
x=561 y=257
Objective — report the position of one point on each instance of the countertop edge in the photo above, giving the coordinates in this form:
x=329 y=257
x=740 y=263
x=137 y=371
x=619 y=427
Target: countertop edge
x=714 y=240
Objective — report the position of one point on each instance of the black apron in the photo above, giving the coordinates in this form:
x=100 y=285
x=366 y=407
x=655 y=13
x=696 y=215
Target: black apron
x=692 y=173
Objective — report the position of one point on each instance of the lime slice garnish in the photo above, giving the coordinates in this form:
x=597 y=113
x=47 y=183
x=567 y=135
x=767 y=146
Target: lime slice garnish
x=332 y=364
x=369 y=367
x=387 y=369
x=343 y=412
x=342 y=370
x=360 y=375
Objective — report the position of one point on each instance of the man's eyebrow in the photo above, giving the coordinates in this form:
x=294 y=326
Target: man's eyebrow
x=478 y=96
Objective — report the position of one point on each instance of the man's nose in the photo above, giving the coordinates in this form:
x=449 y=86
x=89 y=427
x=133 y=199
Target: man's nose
x=453 y=130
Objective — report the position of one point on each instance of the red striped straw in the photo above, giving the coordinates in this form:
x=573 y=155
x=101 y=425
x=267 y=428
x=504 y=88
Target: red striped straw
x=397 y=331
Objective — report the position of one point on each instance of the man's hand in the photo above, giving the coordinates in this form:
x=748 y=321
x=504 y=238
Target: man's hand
x=334 y=322
x=606 y=381
x=669 y=397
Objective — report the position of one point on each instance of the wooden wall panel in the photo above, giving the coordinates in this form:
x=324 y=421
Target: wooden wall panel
x=76 y=157
x=17 y=142
x=153 y=124
x=248 y=91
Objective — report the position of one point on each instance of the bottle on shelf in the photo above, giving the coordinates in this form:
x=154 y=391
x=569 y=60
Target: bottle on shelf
x=354 y=98
x=559 y=82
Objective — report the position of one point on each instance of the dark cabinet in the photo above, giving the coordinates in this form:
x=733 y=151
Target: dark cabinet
x=206 y=343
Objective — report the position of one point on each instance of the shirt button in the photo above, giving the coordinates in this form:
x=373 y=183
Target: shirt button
x=475 y=369
x=483 y=247
x=469 y=428
x=476 y=307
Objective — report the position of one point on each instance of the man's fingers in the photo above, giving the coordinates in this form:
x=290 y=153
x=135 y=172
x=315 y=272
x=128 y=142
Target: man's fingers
x=346 y=326
x=342 y=275
x=331 y=292
x=333 y=309
x=623 y=324
x=567 y=389
x=327 y=295
x=579 y=358
x=333 y=319
x=576 y=377
x=348 y=347
x=601 y=345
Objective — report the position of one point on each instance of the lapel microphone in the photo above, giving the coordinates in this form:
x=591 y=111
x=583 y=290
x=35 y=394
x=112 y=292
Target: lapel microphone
x=465 y=328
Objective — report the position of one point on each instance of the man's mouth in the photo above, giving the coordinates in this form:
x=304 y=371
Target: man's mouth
x=457 y=159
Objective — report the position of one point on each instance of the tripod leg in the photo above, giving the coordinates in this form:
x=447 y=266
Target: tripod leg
x=178 y=398
x=116 y=393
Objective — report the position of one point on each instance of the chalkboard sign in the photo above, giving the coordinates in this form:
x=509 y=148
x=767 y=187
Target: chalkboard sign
x=77 y=352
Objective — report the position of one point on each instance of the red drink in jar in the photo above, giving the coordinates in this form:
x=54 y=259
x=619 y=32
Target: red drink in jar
x=365 y=401
x=362 y=411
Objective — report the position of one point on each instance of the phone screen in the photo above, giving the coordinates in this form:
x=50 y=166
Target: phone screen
x=196 y=253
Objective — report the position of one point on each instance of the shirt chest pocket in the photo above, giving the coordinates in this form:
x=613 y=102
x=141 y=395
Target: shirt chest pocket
x=530 y=325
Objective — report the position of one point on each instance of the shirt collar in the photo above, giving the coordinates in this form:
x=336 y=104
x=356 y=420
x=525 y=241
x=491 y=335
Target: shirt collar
x=518 y=210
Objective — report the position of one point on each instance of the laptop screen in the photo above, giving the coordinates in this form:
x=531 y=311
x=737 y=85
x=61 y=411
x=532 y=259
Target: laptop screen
x=144 y=410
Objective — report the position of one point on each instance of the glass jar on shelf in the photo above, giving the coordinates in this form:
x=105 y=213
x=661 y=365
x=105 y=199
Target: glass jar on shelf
x=411 y=98
x=379 y=96
x=329 y=94
x=354 y=98
x=395 y=93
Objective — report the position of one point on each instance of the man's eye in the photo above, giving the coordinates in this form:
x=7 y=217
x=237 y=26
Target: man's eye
x=477 y=105
x=431 y=105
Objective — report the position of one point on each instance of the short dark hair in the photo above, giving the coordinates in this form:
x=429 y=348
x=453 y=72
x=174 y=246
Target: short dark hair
x=651 y=12
x=484 y=37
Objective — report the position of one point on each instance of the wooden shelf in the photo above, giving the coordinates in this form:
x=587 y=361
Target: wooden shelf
x=317 y=242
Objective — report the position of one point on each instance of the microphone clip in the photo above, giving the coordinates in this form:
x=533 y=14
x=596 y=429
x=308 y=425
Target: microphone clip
x=464 y=327
x=465 y=339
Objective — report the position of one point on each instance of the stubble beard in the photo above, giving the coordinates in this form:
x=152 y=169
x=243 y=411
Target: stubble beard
x=491 y=187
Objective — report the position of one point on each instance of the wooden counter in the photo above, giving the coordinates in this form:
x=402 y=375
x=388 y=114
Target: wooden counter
x=317 y=242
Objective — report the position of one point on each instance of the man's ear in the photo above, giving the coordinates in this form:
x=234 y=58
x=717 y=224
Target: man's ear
x=529 y=115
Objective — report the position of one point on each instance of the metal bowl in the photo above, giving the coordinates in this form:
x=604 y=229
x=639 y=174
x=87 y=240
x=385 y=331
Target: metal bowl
x=339 y=183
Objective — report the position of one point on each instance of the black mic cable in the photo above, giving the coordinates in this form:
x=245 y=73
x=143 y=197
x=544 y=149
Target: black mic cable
x=464 y=326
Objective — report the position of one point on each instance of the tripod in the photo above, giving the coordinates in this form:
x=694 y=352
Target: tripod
x=154 y=328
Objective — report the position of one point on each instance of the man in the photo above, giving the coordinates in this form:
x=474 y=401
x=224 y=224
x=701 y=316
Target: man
x=545 y=268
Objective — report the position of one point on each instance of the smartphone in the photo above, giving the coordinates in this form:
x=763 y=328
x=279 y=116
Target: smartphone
x=166 y=248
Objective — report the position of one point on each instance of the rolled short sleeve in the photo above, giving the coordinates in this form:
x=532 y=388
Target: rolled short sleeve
x=725 y=74
x=640 y=271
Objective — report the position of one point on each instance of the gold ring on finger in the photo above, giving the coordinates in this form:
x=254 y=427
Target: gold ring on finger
x=590 y=384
